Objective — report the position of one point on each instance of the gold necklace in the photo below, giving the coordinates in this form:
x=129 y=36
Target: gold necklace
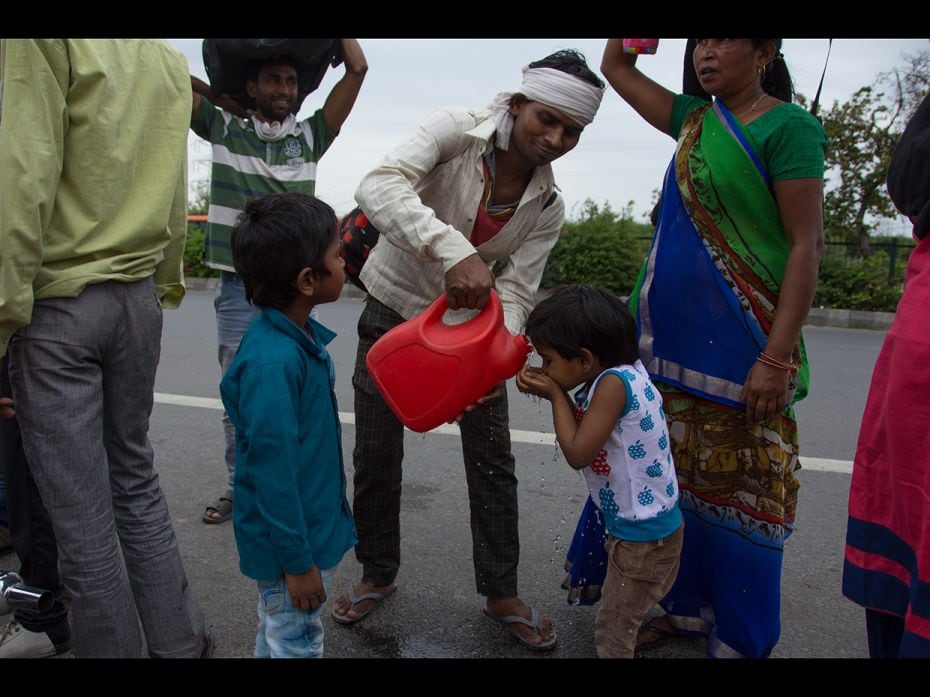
x=753 y=107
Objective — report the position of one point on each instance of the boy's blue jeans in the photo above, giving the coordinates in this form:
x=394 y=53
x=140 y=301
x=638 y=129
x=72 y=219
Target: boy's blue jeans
x=285 y=631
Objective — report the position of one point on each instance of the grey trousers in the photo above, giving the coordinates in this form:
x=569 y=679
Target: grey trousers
x=31 y=529
x=83 y=374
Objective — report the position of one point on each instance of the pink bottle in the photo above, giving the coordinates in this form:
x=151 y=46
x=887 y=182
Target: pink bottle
x=428 y=371
x=638 y=46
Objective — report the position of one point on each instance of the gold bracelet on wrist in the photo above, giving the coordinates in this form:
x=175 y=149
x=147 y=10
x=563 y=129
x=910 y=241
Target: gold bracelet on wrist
x=790 y=368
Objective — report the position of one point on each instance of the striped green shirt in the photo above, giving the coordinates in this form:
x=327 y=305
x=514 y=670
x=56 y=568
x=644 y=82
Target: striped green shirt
x=244 y=167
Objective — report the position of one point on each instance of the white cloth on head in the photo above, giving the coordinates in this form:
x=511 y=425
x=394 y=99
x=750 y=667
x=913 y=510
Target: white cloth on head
x=271 y=131
x=503 y=119
x=578 y=99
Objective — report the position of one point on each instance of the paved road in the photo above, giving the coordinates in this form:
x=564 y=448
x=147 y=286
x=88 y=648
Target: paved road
x=435 y=612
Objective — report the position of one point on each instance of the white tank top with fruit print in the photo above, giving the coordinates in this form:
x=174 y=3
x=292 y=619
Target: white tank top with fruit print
x=632 y=480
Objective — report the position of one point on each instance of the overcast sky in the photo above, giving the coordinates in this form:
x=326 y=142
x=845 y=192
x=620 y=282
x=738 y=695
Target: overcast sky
x=619 y=158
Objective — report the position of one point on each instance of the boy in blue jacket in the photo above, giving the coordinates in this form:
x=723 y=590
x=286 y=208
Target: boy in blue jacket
x=292 y=520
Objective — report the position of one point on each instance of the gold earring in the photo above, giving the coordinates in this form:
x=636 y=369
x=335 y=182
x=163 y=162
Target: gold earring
x=761 y=70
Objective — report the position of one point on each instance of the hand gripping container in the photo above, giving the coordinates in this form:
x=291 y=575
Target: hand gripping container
x=429 y=371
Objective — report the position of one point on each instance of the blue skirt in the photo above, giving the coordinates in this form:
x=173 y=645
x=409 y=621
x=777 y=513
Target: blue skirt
x=728 y=587
x=586 y=562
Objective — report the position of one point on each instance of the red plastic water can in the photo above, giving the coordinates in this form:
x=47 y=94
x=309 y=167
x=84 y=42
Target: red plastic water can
x=429 y=371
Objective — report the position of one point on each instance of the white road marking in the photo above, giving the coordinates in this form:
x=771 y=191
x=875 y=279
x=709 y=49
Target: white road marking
x=820 y=464
x=816 y=464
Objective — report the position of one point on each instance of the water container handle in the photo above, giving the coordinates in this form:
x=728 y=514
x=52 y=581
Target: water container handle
x=433 y=314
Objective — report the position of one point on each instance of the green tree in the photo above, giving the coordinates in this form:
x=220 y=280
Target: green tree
x=858 y=283
x=197 y=204
x=861 y=134
x=599 y=247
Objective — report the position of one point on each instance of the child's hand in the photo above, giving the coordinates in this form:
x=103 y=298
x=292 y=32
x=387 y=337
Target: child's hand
x=307 y=592
x=6 y=408
x=534 y=381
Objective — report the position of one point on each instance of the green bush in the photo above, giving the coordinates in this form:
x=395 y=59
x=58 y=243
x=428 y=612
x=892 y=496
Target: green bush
x=193 y=253
x=858 y=283
x=600 y=248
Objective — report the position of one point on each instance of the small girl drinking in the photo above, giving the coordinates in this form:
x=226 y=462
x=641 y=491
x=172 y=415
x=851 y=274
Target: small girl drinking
x=615 y=431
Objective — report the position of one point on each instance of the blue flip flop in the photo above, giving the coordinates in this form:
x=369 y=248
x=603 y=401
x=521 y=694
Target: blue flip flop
x=533 y=623
x=355 y=600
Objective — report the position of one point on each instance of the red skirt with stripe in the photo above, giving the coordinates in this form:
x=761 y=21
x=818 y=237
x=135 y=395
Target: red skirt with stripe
x=887 y=566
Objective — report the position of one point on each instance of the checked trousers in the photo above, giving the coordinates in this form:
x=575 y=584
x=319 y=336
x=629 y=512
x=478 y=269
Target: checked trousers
x=378 y=458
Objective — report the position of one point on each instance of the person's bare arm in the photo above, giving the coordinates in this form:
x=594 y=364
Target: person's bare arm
x=198 y=87
x=342 y=97
x=650 y=100
x=201 y=88
x=800 y=203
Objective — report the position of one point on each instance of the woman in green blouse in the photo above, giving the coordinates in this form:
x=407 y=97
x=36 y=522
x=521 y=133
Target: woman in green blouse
x=720 y=303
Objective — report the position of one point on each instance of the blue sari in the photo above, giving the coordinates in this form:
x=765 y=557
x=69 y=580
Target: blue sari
x=704 y=304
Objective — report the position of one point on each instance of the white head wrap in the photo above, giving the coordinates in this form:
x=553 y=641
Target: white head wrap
x=578 y=99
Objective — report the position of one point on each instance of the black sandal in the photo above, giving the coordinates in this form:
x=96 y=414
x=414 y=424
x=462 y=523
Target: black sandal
x=663 y=636
x=223 y=506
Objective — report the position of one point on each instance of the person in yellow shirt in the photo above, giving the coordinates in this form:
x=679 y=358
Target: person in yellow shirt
x=93 y=200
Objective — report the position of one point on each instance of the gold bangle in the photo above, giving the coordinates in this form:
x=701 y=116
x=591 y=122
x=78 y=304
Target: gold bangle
x=790 y=368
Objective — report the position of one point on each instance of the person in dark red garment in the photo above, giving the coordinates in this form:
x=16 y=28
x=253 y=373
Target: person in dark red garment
x=887 y=567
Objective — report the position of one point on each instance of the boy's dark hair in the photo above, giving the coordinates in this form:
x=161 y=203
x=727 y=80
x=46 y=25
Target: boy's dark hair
x=572 y=62
x=275 y=238
x=256 y=67
x=583 y=317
